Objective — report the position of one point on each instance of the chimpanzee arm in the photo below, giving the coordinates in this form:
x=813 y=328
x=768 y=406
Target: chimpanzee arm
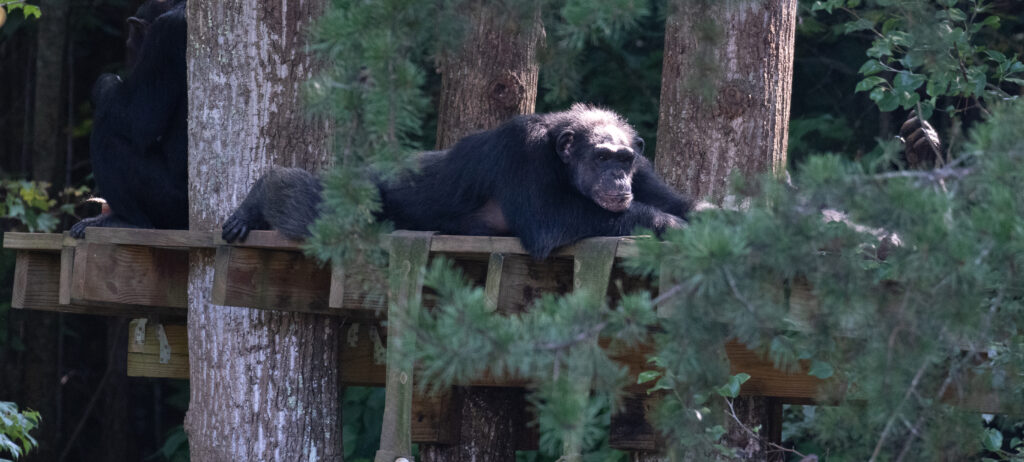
x=544 y=225
x=651 y=190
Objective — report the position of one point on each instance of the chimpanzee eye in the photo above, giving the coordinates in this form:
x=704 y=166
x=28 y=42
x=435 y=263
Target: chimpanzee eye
x=602 y=157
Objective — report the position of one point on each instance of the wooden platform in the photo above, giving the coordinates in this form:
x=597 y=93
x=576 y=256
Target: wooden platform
x=144 y=274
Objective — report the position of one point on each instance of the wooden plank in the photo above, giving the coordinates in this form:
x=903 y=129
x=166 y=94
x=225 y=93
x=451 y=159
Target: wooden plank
x=270 y=279
x=495 y=273
x=37 y=287
x=524 y=280
x=33 y=241
x=106 y=274
x=67 y=264
x=336 y=299
x=262 y=240
x=144 y=354
x=511 y=245
x=171 y=238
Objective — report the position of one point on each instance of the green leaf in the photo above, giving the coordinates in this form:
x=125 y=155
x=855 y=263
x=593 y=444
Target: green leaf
x=991 y=21
x=995 y=56
x=732 y=388
x=871 y=66
x=858 y=25
x=908 y=81
x=884 y=98
x=821 y=369
x=992 y=439
x=32 y=10
x=880 y=48
x=868 y=84
x=956 y=14
x=647 y=376
x=927 y=108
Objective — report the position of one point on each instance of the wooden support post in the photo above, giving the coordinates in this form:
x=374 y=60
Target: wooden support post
x=407 y=266
x=492 y=289
x=592 y=272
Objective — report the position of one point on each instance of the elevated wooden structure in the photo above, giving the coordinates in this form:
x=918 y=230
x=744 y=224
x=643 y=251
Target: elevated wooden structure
x=144 y=274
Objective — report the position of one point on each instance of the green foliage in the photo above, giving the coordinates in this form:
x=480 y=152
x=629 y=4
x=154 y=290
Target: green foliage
x=902 y=339
x=362 y=414
x=930 y=54
x=15 y=427
x=26 y=10
x=29 y=204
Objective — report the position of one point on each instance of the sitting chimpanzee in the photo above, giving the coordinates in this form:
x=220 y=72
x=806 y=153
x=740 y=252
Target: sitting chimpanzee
x=139 y=143
x=550 y=179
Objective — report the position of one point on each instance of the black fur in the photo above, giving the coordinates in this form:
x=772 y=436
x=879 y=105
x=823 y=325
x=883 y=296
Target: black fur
x=139 y=143
x=539 y=177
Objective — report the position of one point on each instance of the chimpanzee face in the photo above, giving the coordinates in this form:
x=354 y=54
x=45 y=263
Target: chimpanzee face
x=601 y=163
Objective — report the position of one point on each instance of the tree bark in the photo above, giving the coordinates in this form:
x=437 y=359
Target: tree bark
x=746 y=49
x=489 y=79
x=492 y=76
x=48 y=140
x=743 y=125
x=264 y=384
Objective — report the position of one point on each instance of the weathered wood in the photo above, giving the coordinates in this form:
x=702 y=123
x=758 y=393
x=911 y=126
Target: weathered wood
x=144 y=351
x=67 y=265
x=261 y=240
x=108 y=274
x=33 y=241
x=37 y=285
x=171 y=238
x=511 y=245
x=410 y=252
x=270 y=279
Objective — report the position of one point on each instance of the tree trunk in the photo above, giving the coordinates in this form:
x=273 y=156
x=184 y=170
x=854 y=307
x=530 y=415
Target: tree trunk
x=746 y=49
x=264 y=384
x=489 y=79
x=492 y=77
x=48 y=140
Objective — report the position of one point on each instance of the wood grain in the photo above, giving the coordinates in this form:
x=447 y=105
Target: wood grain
x=106 y=274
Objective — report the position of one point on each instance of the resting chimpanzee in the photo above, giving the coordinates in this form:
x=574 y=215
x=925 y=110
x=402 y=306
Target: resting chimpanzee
x=139 y=143
x=550 y=179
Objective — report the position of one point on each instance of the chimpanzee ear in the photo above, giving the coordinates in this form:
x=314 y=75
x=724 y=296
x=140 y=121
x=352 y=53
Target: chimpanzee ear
x=137 y=24
x=564 y=145
x=639 y=146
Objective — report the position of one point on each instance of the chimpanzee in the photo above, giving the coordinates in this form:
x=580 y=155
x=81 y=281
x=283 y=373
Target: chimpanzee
x=139 y=143
x=550 y=179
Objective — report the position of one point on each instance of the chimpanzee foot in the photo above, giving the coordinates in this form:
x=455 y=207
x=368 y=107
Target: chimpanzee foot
x=103 y=220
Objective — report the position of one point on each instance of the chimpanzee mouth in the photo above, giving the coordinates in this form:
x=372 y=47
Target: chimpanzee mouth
x=614 y=202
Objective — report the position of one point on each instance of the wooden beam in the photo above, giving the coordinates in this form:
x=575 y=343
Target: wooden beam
x=262 y=240
x=110 y=275
x=33 y=241
x=170 y=238
x=270 y=279
x=145 y=358
x=37 y=286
